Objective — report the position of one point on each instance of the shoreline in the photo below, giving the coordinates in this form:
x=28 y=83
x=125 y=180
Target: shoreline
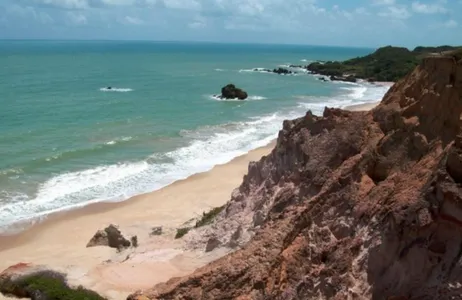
x=59 y=242
x=12 y=237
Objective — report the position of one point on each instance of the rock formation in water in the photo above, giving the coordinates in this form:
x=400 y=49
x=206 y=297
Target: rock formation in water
x=350 y=205
x=230 y=91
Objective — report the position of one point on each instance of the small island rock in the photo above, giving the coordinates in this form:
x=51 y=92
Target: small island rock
x=230 y=91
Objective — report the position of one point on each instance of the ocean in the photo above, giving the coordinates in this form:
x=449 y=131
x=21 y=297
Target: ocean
x=67 y=141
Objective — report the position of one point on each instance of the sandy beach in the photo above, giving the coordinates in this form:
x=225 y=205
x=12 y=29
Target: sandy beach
x=60 y=241
x=362 y=107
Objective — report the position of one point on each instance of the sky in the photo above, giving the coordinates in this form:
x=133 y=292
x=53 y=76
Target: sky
x=362 y=23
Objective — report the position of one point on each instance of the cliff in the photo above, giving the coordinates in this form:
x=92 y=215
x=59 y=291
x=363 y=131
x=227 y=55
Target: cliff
x=350 y=205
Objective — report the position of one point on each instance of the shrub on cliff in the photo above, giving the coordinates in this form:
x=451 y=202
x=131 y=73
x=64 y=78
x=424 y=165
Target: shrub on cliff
x=46 y=285
x=180 y=232
x=207 y=217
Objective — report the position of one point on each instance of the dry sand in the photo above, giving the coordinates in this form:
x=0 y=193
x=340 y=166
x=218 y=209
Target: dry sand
x=60 y=242
x=362 y=107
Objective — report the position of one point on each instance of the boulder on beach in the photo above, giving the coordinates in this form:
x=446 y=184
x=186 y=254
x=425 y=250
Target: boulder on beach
x=230 y=91
x=157 y=230
x=111 y=237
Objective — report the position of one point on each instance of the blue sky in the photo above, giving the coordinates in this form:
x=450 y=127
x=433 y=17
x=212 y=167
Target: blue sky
x=316 y=22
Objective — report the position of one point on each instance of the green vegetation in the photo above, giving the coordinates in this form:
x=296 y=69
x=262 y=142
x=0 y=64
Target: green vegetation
x=207 y=217
x=386 y=64
x=426 y=50
x=180 y=232
x=49 y=285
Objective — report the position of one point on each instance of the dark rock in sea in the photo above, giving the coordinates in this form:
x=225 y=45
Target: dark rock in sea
x=282 y=71
x=322 y=79
x=111 y=237
x=230 y=91
x=262 y=70
x=296 y=66
x=109 y=87
x=349 y=78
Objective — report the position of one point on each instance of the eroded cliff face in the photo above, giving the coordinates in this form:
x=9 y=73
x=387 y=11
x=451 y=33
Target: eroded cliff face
x=350 y=205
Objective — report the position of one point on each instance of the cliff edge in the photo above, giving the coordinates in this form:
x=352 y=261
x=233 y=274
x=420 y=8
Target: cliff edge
x=350 y=205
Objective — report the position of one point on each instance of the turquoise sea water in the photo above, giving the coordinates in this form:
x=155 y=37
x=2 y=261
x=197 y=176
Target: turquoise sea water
x=66 y=141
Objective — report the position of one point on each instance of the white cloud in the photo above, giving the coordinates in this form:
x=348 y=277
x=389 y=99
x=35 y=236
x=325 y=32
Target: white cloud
x=29 y=12
x=395 y=12
x=198 y=22
x=76 y=18
x=133 y=20
x=251 y=8
x=451 y=24
x=183 y=4
x=87 y=4
x=66 y=4
x=423 y=8
x=384 y=2
x=361 y=11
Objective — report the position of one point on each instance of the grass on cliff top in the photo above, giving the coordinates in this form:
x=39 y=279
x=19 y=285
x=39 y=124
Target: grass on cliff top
x=50 y=285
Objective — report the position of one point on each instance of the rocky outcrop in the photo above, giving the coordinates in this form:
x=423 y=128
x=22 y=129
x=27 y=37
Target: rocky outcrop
x=230 y=91
x=282 y=71
x=111 y=237
x=347 y=78
x=279 y=71
x=350 y=205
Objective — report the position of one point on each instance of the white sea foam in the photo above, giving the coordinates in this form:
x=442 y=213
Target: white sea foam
x=211 y=145
x=118 y=140
x=119 y=182
x=249 y=98
x=258 y=70
x=359 y=94
x=115 y=89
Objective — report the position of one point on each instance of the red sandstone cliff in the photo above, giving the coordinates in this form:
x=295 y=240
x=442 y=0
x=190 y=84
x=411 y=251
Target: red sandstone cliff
x=350 y=205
